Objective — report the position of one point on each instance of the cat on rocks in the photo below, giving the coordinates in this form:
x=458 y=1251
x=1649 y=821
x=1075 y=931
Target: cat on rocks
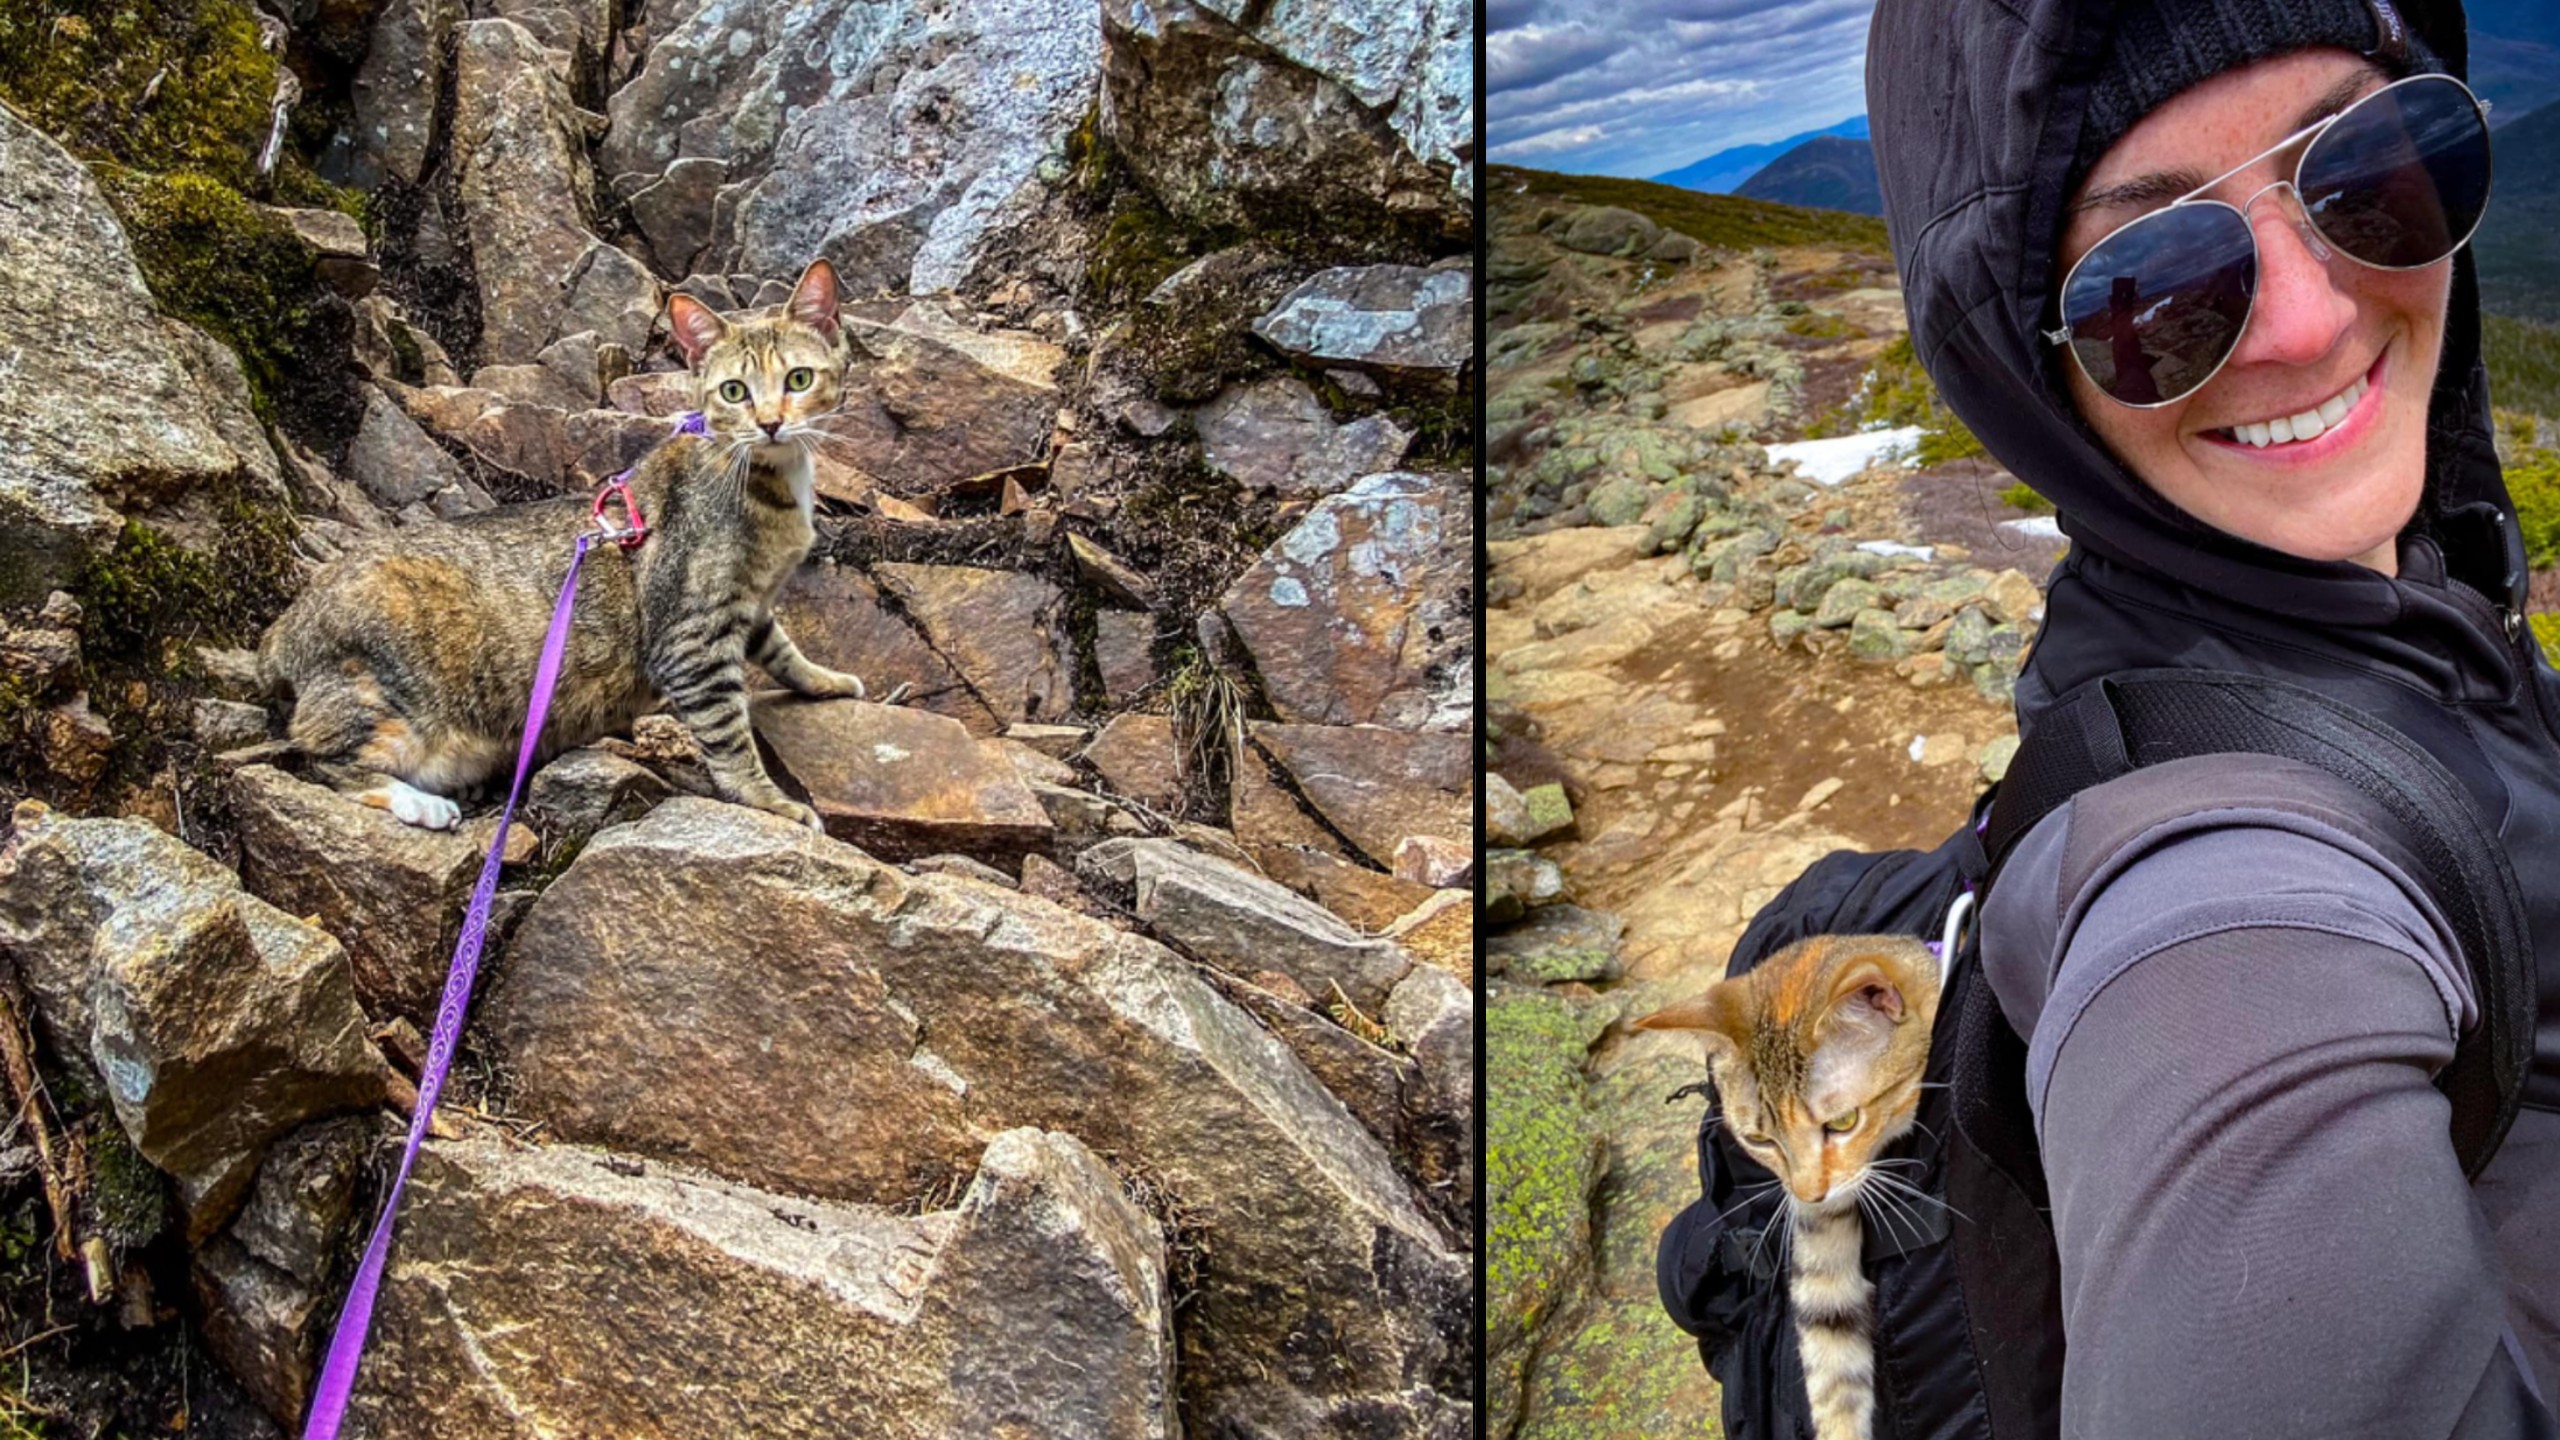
x=410 y=659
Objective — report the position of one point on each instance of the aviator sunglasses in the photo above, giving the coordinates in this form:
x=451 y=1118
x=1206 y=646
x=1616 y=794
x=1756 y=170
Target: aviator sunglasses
x=2397 y=181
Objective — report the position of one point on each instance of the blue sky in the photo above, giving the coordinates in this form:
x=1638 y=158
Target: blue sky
x=1638 y=87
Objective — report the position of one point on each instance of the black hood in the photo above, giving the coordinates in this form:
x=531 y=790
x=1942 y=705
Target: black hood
x=1977 y=107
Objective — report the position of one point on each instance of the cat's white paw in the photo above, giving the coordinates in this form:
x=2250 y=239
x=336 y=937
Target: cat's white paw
x=413 y=806
x=839 y=684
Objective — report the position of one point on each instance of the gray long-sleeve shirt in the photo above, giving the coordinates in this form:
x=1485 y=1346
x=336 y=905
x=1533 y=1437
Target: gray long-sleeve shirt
x=2235 y=997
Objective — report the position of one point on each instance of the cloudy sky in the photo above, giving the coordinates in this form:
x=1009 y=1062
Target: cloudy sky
x=1637 y=87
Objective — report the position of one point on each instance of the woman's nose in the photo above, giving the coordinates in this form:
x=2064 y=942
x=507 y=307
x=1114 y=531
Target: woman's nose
x=2301 y=308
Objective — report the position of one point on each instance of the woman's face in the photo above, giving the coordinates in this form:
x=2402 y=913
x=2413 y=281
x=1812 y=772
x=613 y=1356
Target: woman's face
x=2316 y=329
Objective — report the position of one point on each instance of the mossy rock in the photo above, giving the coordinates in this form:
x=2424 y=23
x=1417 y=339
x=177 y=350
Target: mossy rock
x=129 y=1197
x=221 y=262
x=1874 y=636
x=1542 y=1161
x=82 y=72
x=1621 y=501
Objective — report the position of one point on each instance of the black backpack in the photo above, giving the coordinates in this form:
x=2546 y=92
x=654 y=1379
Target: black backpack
x=1968 y=1329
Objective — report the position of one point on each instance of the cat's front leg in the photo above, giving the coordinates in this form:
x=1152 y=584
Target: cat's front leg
x=706 y=689
x=775 y=653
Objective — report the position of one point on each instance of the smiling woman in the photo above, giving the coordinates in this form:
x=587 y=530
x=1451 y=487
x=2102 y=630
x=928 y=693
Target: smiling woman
x=2222 y=314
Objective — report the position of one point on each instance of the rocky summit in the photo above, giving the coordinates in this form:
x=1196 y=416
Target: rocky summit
x=1100 y=1065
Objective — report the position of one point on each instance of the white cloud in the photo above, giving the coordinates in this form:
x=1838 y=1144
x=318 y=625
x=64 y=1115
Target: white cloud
x=1644 y=86
x=1551 y=143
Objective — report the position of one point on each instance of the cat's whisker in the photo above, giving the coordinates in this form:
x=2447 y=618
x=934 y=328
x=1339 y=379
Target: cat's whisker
x=1748 y=1195
x=1905 y=1187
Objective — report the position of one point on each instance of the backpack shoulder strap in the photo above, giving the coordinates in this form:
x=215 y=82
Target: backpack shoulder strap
x=2121 y=723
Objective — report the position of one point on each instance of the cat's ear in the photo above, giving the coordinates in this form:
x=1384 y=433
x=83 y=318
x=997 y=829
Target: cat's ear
x=1864 y=989
x=813 y=300
x=1713 y=1013
x=696 y=327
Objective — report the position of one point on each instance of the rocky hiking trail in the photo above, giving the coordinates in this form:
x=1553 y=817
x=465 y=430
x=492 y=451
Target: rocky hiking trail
x=1105 y=1068
x=1720 y=644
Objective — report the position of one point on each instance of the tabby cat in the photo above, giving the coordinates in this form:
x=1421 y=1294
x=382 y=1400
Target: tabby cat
x=1816 y=1055
x=412 y=659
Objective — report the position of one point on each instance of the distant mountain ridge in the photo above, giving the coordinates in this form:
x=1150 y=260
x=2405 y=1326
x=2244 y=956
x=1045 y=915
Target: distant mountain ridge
x=1721 y=172
x=1831 y=172
x=2518 y=247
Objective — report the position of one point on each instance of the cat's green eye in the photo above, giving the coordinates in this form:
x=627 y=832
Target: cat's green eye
x=1842 y=1124
x=734 y=391
x=1760 y=1140
x=800 y=378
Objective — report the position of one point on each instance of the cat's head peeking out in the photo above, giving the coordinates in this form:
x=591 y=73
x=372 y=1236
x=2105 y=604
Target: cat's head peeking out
x=764 y=381
x=1817 y=1055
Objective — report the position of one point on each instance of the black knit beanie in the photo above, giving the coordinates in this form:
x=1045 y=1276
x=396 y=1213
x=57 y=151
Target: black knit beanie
x=2161 y=47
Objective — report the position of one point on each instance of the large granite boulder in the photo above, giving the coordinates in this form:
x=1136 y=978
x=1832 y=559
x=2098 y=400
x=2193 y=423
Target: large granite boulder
x=798 y=1015
x=520 y=163
x=102 y=415
x=557 y=1290
x=1364 y=613
x=893 y=138
x=217 y=1021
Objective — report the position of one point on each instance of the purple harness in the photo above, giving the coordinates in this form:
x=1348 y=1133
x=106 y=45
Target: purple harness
x=346 y=1346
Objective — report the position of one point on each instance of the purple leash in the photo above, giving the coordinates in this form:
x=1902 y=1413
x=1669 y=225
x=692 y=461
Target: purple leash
x=346 y=1346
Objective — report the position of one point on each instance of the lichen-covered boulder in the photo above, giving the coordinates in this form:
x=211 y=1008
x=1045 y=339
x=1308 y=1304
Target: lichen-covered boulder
x=1350 y=112
x=893 y=138
x=1398 y=320
x=1363 y=614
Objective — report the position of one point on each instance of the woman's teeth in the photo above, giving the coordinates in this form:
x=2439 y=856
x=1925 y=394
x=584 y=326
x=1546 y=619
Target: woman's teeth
x=2309 y=425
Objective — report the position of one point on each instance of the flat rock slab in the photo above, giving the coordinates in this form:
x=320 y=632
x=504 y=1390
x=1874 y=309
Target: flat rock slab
x=218 y=1022
x=900 y=783
x=562 y=1291
x=1136 y=757
x=1398 y=319
x=797 y=1015
x=1242 y=923
x=1362 y=614
x=393 y=894
x=520 y=161
x=998 y=628
x=1379 y=786
x=1275 y=436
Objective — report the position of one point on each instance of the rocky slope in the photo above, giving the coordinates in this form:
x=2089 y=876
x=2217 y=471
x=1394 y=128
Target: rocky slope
x=1715 y=652
x=1106 y=1068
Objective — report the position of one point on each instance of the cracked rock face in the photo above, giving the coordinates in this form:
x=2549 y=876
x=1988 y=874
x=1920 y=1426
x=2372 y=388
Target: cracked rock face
x=782 y=972
x=734 y=1311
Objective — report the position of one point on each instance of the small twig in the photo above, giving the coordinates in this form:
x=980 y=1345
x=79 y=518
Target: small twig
x=39 y=1336
x=24 y=1094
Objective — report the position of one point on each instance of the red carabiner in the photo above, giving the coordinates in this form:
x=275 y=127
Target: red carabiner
x=627 y=536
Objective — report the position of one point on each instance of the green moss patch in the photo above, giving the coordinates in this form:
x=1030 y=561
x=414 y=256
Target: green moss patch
x=170 y=84
x=220 y=262
x=1542 y=1158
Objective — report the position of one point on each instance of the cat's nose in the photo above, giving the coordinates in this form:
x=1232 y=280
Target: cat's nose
x=771 y=428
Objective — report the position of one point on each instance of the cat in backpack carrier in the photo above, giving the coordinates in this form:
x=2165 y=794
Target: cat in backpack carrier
x=1817 y=1057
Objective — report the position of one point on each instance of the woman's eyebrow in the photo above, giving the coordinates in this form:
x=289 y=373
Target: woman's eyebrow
x=2158 y=187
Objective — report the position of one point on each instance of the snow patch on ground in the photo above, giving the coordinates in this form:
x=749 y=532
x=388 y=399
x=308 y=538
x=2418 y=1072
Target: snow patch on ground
x=2038 y=527
x=1828 y=462
x=1894 y=548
